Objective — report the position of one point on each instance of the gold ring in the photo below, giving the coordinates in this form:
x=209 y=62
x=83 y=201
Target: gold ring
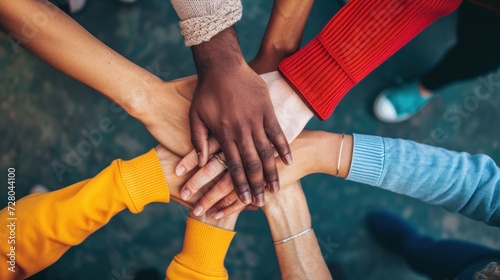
x=220 y=160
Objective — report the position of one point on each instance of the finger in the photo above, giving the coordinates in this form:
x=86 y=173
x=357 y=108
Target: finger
x=190 y=161
x=199 y=136
x=214 y=195
x=266 y=153
x=227 y=201
x=237 y=171
x=278 y=138
x=237 y=206
x=201 y=178
x=253 y=169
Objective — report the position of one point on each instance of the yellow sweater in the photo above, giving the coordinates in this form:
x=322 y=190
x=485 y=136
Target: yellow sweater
x=46 y=225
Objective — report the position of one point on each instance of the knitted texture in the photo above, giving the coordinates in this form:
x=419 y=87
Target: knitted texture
x=367 y=159
x=202 y=19
x=361 y=36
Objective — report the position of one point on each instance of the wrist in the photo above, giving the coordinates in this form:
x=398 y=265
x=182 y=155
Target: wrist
x=277 y=50
x=287 y=213
x=326 y=152
x=139 y=96
x=226 y=223
x=221 y=54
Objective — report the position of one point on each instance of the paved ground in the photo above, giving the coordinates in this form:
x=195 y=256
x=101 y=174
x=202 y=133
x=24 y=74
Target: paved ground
x=43 y=112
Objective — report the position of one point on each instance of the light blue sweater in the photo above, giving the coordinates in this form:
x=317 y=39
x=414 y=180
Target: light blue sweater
x=459 y=182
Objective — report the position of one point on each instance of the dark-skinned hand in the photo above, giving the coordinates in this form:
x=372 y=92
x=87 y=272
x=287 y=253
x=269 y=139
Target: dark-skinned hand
x=231 y=103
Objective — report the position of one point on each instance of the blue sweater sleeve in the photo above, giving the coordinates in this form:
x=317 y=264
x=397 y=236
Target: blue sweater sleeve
x=459 y=182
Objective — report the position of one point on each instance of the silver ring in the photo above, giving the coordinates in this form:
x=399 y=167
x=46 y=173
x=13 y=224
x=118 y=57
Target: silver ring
x=220 y=160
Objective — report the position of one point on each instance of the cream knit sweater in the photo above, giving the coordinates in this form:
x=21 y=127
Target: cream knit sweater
x=203 y=19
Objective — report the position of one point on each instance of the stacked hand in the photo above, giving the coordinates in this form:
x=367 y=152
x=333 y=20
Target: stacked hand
x=232 y=104
x=167 y=106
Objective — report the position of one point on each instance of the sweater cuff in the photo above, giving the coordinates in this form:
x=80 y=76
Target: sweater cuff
x=367 y=159
x=144 y=180
x=205 y=248
x=206 y=21
x=317 y=78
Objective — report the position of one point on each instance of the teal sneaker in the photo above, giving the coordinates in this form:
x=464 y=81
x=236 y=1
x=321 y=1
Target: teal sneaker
x=398 y=104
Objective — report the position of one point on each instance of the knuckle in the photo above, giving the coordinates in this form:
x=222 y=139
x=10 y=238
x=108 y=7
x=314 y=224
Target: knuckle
x=212 y=169
x=271 y=174
x=226 y=186
x=207 y=201
x=282 y=147
x=193 y=186
x=257 y=188
x=273 y=130
x=226 y=202
x=267 y=152
x=234 y=166
x=253 y=166
x=241 y=186
x=191 y=161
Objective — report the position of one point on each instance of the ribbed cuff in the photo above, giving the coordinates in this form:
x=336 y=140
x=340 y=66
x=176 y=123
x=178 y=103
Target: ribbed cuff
x=361 y=36
x=144 y=180
x=205 y=248
x=317 y=77
x=367 y=159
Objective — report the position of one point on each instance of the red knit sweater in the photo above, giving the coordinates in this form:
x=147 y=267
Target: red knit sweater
x=362 y=35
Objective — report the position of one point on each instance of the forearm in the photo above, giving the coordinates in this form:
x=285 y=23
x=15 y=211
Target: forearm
x=283 y=34
x=57 y=39
x=299 y=258
x=459 y=182
x=49 y=224
x=355 y=41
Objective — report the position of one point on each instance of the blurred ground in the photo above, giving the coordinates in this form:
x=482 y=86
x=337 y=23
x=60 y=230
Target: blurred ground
x=43 y=112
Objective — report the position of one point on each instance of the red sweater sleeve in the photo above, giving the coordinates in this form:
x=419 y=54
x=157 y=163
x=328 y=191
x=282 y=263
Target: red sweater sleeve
x=361 y=36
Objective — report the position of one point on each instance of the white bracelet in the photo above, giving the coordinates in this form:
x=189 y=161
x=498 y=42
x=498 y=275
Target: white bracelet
x=291 y=237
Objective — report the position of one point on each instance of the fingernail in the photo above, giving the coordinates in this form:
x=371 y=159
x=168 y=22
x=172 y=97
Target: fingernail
x=288 y=159
x=218 y=215
x=197 y=211
x=246 y=197
x=259 y=200
x=185 y=194
x=274 y=187
x=199 y=159
x=211 y=212
x=180 y=170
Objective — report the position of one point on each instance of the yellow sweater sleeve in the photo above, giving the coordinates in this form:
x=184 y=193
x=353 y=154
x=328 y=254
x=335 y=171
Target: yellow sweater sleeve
x=203 y=253
x=48 y=224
